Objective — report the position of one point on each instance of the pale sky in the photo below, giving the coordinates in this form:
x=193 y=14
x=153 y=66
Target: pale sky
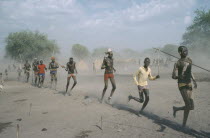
x=136 y=24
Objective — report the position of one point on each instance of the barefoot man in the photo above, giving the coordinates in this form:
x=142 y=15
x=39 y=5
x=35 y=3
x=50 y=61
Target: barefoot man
x=184 y=76
x=108 y=74
x=36 y=70
x=142 y=75
x=53 y=66
x=42 y=68
x=71 y=68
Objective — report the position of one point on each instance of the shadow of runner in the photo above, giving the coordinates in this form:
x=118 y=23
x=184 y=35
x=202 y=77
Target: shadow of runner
x=4 y=125
x=162 y=122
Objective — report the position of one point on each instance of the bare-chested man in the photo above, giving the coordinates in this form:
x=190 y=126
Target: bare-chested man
x=108 y=74
x=36 y=70
x=71 y=68
x=27 y=68
x=184 y=76
x=53 y=66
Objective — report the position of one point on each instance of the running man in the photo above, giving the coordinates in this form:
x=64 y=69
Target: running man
x=184 y=68
x=36 y=70
x=19 y=71
x=1 y=82
x=27 y=68
x=71 y=68
x=108 y=64
x=143 y=74
x=53 y=66
x=41 y=68
x=6 y=73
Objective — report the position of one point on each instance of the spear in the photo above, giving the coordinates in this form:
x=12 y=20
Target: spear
x=178 y=58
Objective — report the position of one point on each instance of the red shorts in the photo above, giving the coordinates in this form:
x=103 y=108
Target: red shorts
x=107 y=76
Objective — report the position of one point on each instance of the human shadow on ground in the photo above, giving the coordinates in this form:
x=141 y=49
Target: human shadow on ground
x=163 y=123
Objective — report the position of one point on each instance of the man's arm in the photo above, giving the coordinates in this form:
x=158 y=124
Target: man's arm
x=194 y=82
x=103 y=66
x=75 y=68
x=66 y=67
x=174 y=73
x=134 y=77
x=152 y=77
x=49 y=66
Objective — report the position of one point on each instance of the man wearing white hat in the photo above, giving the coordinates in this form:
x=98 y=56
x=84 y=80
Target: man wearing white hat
x=108 y=74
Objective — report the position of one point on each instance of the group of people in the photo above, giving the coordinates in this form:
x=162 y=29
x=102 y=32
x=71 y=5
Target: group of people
x=182 y=72
x=39 y=70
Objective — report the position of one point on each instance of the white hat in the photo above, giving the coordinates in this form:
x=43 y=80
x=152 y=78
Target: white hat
x=109 y=50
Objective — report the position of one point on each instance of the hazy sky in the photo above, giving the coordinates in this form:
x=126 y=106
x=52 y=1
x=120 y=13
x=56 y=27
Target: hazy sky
x=136 y=24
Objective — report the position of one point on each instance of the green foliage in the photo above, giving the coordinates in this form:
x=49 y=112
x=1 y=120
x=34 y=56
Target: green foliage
x=28 y=45
x=197 y=35
x=80 y=51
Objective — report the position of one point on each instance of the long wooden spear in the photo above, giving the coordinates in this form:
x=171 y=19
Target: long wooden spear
x=178 y=58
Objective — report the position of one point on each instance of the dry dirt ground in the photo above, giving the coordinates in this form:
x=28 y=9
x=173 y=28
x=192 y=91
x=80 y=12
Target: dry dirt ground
x=46 y=113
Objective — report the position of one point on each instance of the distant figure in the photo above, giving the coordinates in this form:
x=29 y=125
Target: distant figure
x=1 y=82
x=184 y=68
x=36 y=70
x=19 y=71
x=42 y=68
x=53 y=66
x=27 y=68
x=140 y=78
x=9 y=68
x=94 y=67
x=6 y=73
x=14 y=66
x=71 y=68
x=107 y=64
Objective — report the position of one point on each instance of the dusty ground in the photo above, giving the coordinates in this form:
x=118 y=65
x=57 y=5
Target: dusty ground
x=47 y=113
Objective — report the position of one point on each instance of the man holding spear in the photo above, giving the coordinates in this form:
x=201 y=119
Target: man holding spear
x=184 y=76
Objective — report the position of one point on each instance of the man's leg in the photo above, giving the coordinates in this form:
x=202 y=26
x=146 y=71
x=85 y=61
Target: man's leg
x=104 y=90
x=51 y=75
x=113 y=87
x=55 y=77
x=146 y=93
x=188 y=104
x=75 y=82
x=67 y=85
x=36 y=77
x=141 y=97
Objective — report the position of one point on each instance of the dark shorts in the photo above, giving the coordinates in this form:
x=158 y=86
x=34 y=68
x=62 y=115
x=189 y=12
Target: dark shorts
x=107 y=76
x=144 y=89
x=187 y=86
x=53 y=72
x=42 y=74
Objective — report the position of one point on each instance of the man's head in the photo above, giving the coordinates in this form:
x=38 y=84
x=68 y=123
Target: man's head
x=71 y=59
x=41 y=61
x=146 y=62
x=183 y=51
x=53 y=59
x=35 y=59
x=109 y=53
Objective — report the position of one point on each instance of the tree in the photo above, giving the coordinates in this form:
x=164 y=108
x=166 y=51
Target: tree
x=197 y=34
x=80 y=51
x=28 y=45
x=99 y=52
